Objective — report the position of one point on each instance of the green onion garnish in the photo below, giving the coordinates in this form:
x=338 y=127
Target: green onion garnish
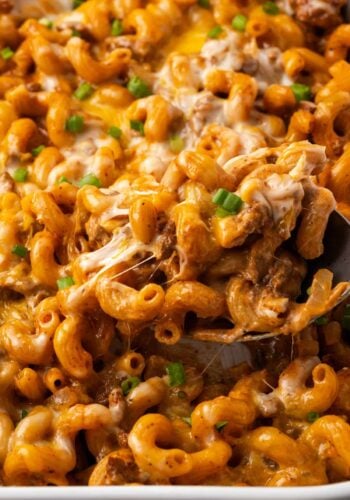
x=312 y=416
x=138 y=88
x=62 y=179
x=38 y=150
x=322 y=320
x=129 y=384
x=20 y=174
x=345 y=322
x=204 y=3
x=239 y=22
x=228 y=203
x=66 y=282
x=46 y=22
x=220 y=425
x=75 y=124
x=24 y=413
x=187 y=420
x=232 y=203
x=20 y=251
x=271 y=8
x=114 y=132
x=90 y=180
x=117 y=27
x=176 y=144
x=7 y=53
x=301 y=92
x=215 y=32
x=76 y=33
x=138 y=126
x=220 y=196
x=84 y=91
x=176 y=374
x=77 y=3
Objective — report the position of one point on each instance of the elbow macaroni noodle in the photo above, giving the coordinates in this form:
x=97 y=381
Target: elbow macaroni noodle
x=168 y=168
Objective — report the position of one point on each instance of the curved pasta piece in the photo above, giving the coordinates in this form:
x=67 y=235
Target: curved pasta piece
x=329 y=431
x=69 y=349
x=91 y=70
x=299 y=400
x=125 y=303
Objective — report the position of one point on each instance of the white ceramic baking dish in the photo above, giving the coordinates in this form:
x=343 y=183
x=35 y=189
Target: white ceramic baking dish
x=340 y=491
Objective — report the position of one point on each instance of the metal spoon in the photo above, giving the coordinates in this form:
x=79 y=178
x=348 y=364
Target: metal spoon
x=336 y=255
x=336 y=258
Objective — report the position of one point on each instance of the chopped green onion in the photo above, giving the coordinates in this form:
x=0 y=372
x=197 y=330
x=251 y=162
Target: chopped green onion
x=129 y=384
x=322 y=320
x=215 y=32
x=176 y=144
x=221 y=212
x=78 y=3
x=181 y=395
x=204 y=3
x=176 y=374
x=46 y=22
x=239 y=22
x=76 y=33
x=301 y=92
x=90 y=180
x=308 y=291
x=20 y=251
x=271 y=8
x=117 y=27
x=345 y=322
x=312 y=416
x=7 y=53
x=138 y=126
x=228 y=203
x=20 y=174
x=187 y=420
x=24 y=413
x=62 y=179
x=232 y=203
x=138 y=88
x=220 y=425
x=220 y=196
x=84 y=91
x=75 y=124
x=114 y=132
x=38 y=150
x=66 y=282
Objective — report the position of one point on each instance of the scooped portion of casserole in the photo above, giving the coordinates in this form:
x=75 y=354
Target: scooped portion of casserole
x=167 y=172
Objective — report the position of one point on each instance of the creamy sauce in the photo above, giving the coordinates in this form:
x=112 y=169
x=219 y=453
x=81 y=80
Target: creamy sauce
x=120 y=248
x=40 y=8
x=279 y=193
